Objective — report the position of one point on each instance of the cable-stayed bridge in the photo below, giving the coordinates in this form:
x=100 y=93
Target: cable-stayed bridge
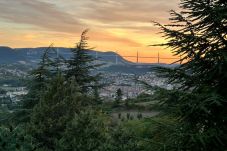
x=137 y=57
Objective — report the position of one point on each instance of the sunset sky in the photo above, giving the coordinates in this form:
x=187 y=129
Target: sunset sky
x=123 y=26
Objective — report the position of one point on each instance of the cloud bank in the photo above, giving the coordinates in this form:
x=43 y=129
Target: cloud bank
x=125 y=23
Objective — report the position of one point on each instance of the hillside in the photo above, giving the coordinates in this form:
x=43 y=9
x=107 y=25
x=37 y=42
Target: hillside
x=112 y=61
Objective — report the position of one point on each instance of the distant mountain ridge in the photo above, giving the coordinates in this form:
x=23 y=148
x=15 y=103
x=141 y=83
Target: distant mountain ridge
x=29 y=55
x=113 y=62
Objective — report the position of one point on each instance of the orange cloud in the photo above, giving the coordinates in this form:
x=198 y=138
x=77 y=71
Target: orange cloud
x=122 y=26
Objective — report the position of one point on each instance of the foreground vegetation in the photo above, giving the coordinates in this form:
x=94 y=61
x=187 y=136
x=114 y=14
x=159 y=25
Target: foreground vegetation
x=63 y=110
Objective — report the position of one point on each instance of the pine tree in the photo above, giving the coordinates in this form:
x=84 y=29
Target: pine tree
x=87 y=131
x=57 y=107
x=123 y=140
x=96 y=95
x=48 y=67
x=14 y=139
x=119 y=95
x=81 y=65
x=39 y=78
x=198 y=35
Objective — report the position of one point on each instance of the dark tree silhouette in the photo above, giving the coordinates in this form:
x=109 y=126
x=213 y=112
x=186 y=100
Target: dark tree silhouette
x=199 y=35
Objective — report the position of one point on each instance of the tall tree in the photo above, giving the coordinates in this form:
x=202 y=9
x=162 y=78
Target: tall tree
x=118 y=96
x=39 y=78
x=81 y=65
x=49 y=66
x=57 y=107
x=199 y=35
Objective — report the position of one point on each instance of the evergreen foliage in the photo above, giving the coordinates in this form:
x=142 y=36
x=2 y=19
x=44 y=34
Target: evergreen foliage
x=40 y=77
x=198 y=35
x=81 y=65
x=56 y=108
x=118 y=96
x=124 y=140
x=15 y=140
x=87 y=131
